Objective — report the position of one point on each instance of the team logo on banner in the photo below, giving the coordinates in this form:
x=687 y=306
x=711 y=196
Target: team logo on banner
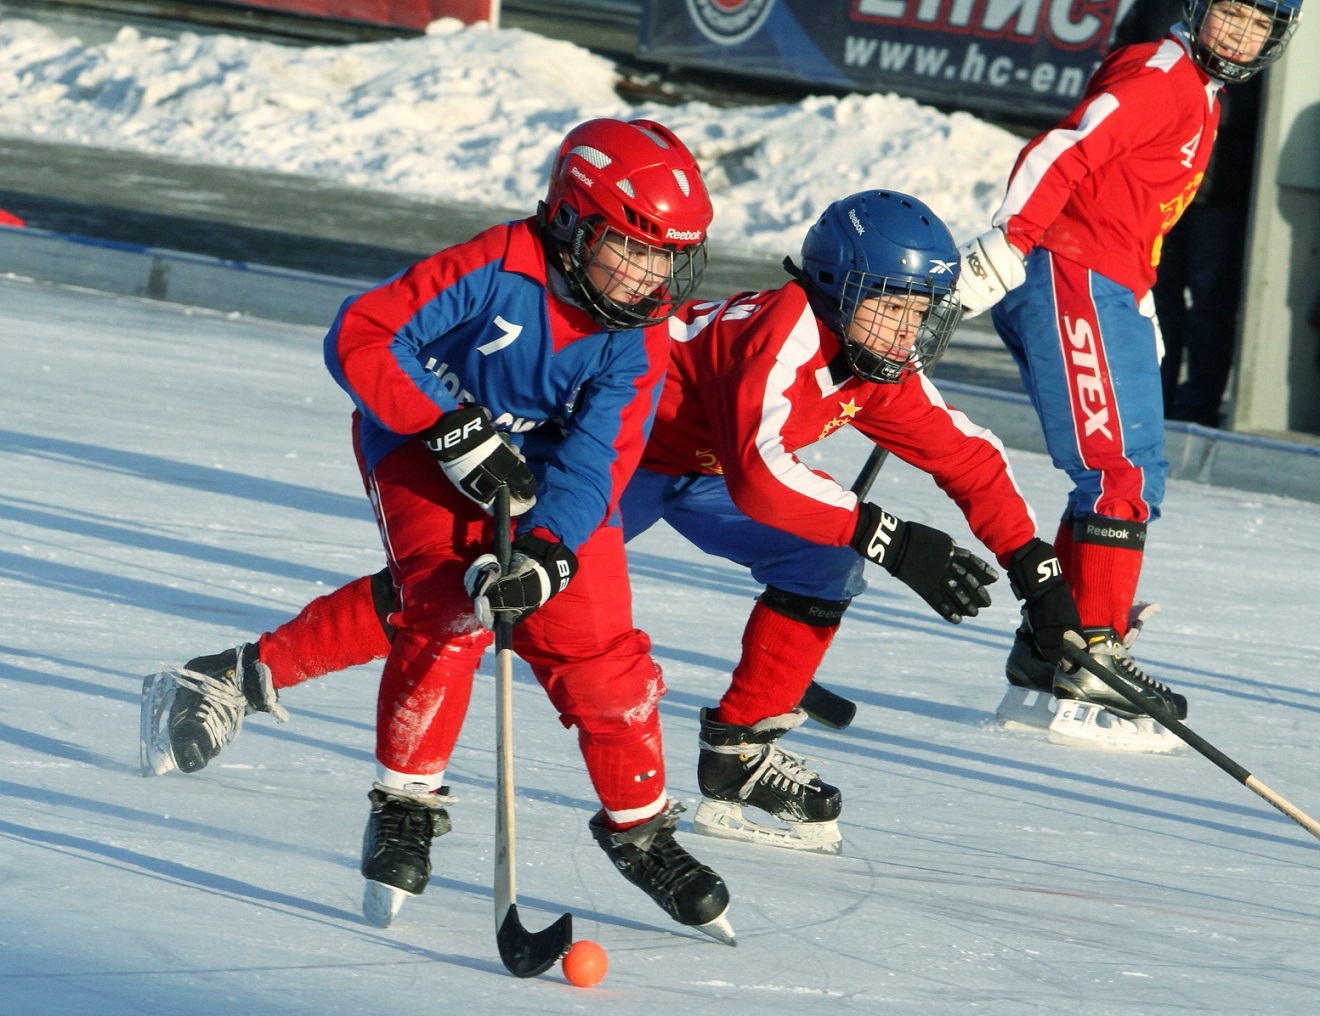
x=728 y=22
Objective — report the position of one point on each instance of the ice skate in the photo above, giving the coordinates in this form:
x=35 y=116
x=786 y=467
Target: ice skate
x=741 y=767
x=189 y=714
x=1071 y=709
x=1026 y=668
x=650 y=858
x=1107 y=649
x=396 y=848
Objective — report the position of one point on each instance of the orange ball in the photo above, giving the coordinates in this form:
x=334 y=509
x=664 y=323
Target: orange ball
x=585 y=964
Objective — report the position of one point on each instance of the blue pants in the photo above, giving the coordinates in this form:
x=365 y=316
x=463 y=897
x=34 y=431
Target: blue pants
x=1090 y=364
x=701 y=510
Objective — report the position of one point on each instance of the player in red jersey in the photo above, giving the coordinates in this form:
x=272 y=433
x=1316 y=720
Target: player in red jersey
x=1067 y=267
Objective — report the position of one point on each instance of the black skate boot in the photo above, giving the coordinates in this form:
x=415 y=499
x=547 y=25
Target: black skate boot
x=651 y=859
x=212 y=694
x=1107 y=649
x=1026 y=668
x=743 y=765
x=396 y=848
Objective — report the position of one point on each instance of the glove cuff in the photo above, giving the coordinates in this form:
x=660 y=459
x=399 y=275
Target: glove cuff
x=1034 y=568
x=879 y=536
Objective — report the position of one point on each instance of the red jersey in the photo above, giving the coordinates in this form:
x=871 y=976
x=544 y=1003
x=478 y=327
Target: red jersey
x=756 y=378
x=1103 y=187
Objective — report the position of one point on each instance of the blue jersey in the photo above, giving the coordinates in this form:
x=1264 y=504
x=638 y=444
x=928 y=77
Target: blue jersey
x=477 y=323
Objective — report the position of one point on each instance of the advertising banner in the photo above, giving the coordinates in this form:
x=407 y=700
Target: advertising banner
x=1027 y=57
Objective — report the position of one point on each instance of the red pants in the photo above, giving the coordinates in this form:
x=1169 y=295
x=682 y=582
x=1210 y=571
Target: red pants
x=581 y=645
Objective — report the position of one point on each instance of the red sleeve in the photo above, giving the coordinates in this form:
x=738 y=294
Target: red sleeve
x=752 y=408
x=1121 y=109
x=966 y=461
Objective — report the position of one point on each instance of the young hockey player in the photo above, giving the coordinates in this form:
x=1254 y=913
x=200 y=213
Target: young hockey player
x=751 y=381
x=553 y=329
x=1087 y=206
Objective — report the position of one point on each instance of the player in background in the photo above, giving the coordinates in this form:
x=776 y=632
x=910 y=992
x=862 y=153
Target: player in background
x=751 y=381
x=1068 y=266
x=530 y=356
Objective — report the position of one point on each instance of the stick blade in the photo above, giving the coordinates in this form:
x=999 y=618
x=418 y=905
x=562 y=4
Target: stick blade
x=529 y=953
x=826 y=707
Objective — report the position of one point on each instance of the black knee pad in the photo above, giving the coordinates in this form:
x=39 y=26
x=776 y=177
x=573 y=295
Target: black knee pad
x=812 y=610
x=1096 y=529
x=384 y=599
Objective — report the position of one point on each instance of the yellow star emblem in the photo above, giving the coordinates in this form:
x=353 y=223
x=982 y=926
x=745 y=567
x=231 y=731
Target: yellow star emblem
x=849 y=409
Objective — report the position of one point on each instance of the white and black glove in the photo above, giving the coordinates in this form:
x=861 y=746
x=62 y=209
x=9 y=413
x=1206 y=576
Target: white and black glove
x=537 y=570
x=1146 y=308
x=949 y=578
x=477 y=458
x=991 y=266
x=1037 y=579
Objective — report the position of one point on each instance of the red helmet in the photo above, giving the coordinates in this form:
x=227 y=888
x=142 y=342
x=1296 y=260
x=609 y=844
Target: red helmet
x=635 y=186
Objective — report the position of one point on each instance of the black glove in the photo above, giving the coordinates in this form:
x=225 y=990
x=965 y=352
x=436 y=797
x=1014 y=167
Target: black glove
x=537 y=570
x=946 y=576
x=477 y=458
x=1037 y=579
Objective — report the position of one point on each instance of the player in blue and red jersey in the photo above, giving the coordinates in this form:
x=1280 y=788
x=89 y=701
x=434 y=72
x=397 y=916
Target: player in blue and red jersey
x=529 y=356
x=1068 y=266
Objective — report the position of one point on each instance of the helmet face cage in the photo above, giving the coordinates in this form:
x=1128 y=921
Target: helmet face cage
x=893 y=327
x=625 y=219
x=623 y=282
x=1252 y=35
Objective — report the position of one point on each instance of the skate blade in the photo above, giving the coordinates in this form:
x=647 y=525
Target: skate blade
x=719 y=929
x=727 y=821
x=1087 y=724
x=1082 y=724
x=381 y=903
x=155 y=755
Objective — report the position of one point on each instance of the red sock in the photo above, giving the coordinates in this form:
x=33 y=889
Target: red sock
x=1104 y=583
x=780 y=656
x=1063 y=545
x=333 y=632
x=628 y=771
x=424 y=693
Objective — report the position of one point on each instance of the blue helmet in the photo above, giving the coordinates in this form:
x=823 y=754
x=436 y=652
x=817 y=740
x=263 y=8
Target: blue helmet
x=1283 y=17
x=882 y=243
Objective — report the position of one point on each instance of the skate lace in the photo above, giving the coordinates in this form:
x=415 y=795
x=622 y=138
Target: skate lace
x=1125 y=664
x=409 y=826
x=1128 y=667
x=779 y=770
x=670 y=866
x=221 y=706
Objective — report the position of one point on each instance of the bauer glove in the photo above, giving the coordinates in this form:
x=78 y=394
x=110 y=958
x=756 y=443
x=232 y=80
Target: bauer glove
x=537 y=570
x=477 y=459
x=1037 y=579
x=946 y=576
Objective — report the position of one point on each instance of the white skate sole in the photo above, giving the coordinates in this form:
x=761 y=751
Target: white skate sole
x=381 y=903
x=154 y=752
x=1085 y=724
x=727 y=821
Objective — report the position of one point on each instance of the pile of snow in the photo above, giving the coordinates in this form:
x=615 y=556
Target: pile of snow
x=473 y=115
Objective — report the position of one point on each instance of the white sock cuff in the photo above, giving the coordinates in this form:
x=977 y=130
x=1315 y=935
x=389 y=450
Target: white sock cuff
x=634 y=816
x=409 y=783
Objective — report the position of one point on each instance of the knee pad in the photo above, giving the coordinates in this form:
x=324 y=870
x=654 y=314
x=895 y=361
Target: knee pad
x=385 y=600
x=812 y=610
